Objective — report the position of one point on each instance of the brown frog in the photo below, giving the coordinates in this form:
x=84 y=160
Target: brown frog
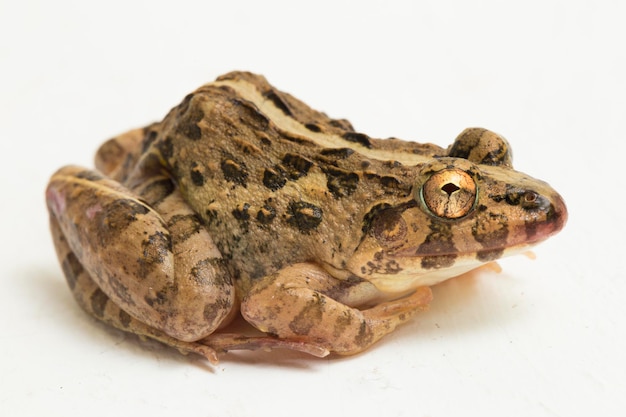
x=245 y=200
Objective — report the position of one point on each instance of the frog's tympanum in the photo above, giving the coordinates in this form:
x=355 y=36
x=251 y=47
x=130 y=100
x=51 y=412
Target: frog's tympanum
x=244 y=200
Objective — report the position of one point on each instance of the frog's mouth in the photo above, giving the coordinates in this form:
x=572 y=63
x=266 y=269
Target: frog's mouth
x=494 y=239
x=402 y=268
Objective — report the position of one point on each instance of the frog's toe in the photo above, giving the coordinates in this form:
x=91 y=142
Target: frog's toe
x=225 y=342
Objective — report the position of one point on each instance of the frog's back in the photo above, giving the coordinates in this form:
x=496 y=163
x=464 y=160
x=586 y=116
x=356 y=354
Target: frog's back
x=274 y=181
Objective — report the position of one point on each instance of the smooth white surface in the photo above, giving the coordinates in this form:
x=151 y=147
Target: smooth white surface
x=545 y=337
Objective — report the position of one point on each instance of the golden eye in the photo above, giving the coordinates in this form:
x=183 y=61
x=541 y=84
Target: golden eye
x=450 y=193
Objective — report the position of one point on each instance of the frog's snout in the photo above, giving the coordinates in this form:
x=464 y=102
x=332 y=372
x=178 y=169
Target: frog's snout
x=558 y=214
x=555 y=212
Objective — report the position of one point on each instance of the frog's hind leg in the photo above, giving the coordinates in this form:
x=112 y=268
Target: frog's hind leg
x=95 y=302
x=117 y=157
x=142 y=254
x=304 y=305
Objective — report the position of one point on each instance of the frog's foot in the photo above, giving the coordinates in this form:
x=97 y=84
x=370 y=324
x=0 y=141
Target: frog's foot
x=156 y=274
x=305 y=304
x=225 y=342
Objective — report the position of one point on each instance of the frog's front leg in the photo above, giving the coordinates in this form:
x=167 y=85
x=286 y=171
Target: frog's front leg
x=145 y=252
x=305 y=303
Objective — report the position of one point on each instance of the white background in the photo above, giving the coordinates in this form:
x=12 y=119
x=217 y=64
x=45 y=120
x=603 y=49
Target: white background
x=545 y=337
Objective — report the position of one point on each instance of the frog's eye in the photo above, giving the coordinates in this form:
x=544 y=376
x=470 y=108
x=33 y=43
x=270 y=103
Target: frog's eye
x=450 y=193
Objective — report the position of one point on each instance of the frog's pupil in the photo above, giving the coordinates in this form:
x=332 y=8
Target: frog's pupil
x=449 y=188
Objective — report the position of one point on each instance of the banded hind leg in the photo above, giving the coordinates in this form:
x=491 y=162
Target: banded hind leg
x=95 y=302
x=304 y=304
x=140 y=254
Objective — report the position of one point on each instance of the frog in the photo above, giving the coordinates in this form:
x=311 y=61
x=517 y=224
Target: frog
x=244 y=202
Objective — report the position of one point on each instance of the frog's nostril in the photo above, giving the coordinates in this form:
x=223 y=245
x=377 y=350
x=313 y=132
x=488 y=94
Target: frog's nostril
x=531 y=201
x=530 y=197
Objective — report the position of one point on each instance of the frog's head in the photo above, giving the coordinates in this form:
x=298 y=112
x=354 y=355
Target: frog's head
x=461 y=215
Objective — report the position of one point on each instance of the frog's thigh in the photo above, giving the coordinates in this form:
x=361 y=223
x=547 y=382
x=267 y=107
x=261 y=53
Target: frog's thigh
x=296 y=304
x=94 y=301
x=161 y=268
x=117 y=156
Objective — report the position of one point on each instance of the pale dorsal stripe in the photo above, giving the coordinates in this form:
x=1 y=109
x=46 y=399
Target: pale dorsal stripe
x=288 y=124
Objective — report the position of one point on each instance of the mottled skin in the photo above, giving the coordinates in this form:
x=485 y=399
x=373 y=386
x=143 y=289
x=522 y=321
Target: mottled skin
x=245 y=199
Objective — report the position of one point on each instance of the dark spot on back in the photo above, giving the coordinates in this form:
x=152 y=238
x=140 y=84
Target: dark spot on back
x=251 y=115
x=266 y=213
x=337 y=153
x=195 y=172
x=360 y=138
x=389 y=182
x=241 y=212
x=274 y=179
x=212 y=217
x=340 y=183
x=265 y=140
x=300 y=140
x=342 y=124
x=296 y=166
x=234 y=171
x=396 y=164
x=313 y=127
x=304 y=216
x=278 y=102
